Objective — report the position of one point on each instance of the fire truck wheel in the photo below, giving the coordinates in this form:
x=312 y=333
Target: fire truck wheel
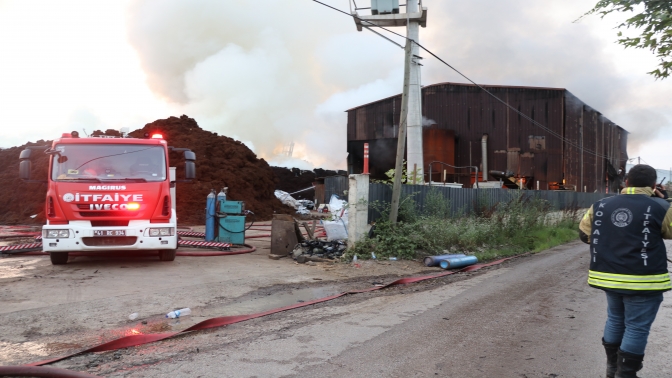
x=58 y=258
x=167 y=254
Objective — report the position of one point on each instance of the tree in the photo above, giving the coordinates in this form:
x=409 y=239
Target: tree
x=655 y=23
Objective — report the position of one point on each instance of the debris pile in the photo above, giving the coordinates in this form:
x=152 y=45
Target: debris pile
x=309 y=250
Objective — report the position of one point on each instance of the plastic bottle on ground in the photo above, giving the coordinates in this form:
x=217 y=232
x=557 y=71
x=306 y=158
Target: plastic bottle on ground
x=178 y=313
x=354 y=259
x=133 y=316
x=393 y=259
x=373 y=255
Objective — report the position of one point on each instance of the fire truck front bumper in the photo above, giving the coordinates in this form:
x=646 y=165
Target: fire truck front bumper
x=80 y=236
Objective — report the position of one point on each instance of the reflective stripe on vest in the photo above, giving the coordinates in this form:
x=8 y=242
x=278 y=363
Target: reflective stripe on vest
x=629 y=282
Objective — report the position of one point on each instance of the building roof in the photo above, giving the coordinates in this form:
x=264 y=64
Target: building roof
x=465 y=85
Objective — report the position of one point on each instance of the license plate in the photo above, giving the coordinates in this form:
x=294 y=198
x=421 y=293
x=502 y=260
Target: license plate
x=109 y=232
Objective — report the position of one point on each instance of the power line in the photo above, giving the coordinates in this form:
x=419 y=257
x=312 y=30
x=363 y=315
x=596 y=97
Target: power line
x=535 y=123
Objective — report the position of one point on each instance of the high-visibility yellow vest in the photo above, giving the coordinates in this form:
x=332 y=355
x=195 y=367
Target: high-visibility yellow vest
x=627 y=252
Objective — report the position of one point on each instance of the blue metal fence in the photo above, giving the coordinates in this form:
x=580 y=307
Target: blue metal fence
x=468 y=200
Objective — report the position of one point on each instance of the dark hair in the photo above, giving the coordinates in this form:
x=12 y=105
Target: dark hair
x=642 y=175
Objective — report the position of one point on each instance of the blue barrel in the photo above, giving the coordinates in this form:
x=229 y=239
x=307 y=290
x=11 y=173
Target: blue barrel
x=458 y=262
x=210 y=223
x=436 y=260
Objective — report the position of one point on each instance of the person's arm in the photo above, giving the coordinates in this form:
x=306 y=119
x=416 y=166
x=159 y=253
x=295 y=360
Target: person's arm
x=660 y=192
x=667 y=225
x=586 y=226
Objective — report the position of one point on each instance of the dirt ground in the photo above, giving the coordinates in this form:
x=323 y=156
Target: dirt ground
x=532 y=316
x=54 y=310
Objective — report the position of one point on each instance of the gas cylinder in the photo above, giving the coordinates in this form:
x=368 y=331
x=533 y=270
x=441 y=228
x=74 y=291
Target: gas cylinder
x=210 y=216
x=221 y=198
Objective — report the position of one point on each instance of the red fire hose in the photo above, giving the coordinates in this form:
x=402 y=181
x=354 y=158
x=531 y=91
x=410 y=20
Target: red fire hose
x=41 y=371
x=135 y=340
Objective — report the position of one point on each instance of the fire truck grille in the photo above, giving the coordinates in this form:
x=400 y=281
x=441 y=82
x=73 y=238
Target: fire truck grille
x=109 y=241
x=109 y=223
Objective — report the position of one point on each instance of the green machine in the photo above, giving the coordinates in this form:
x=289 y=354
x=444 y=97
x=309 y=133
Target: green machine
x=231 y=220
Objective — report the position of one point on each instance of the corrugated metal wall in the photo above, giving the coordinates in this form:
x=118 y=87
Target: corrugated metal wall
x=465 y=201
x=514 y=143
x=337 y=185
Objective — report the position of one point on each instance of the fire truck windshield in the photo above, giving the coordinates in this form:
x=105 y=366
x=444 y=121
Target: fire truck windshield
x=108 y=162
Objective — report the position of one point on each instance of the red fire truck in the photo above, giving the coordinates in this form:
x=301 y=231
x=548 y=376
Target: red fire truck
x=109 y=193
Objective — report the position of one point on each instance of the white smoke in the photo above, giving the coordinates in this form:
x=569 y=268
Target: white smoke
x=276 y=71
x=255 y=70
x=427 y=121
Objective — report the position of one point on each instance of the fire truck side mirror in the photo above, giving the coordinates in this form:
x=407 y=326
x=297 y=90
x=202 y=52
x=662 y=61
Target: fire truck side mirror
x=24 y=169
x=190 y=165
x=25 y=166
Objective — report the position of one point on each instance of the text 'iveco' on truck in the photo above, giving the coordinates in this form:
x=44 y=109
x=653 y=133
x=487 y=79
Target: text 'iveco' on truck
x=109 y=194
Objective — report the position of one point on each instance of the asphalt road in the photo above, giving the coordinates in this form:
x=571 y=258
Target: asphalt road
x=532 y=317
x=536 y=318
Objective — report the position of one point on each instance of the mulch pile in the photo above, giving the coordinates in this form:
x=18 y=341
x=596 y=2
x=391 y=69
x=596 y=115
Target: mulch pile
x=220 y=162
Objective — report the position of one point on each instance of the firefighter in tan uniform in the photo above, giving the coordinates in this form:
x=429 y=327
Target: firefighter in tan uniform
x=628 y=260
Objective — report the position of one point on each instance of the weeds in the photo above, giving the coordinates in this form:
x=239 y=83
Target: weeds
x=514 y=227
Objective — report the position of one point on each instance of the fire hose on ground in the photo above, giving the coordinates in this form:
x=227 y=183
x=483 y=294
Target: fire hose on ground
x=136 y=340
x=35 y=249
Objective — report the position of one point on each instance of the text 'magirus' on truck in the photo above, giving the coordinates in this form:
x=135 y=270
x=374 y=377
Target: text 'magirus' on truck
x=109 y=194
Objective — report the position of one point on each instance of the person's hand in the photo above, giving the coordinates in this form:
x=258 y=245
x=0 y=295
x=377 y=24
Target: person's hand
x=658 y=193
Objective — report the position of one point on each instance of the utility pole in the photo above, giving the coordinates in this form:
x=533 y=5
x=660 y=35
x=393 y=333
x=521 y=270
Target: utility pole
x=385 y=13
x=401 y=138
x=414 y=154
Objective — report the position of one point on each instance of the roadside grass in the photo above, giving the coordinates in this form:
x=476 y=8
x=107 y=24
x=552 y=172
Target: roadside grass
x=509 y=229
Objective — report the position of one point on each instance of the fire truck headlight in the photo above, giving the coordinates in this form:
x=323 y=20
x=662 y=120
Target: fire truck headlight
x=163 y=231
x=55 y=234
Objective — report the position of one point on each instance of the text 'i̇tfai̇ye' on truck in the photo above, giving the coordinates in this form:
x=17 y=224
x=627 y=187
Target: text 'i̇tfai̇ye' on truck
x=109 y=194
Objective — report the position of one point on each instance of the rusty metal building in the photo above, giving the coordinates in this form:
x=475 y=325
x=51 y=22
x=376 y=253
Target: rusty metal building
x=581 y=149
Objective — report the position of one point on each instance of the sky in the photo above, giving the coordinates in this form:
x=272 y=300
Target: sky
x=274 y=72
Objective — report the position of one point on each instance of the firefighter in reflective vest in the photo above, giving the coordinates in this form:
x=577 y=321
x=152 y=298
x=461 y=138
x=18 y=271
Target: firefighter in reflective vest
x=628 y=260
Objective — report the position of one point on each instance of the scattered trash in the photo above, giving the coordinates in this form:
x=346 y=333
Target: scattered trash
x=436 y=260
x=133 y=316
x=321 y=249
x=458 y=262
x=336 y=204
x=336 y=229
x=308 y=204
x=286 y=199
x=302 y=210
x=178 y=313
x=373 y=255
x=393 y=259
x=354 y=259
